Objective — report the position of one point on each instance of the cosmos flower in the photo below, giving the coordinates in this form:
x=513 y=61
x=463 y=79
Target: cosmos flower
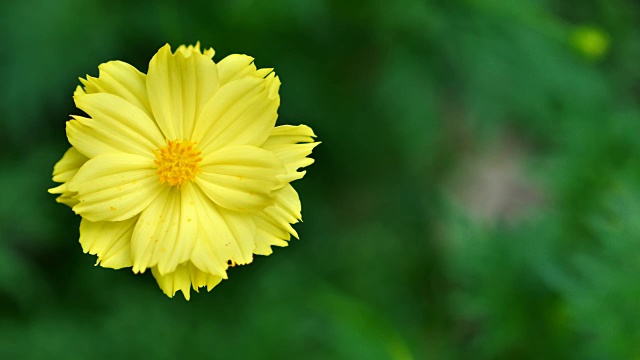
x=182 y=171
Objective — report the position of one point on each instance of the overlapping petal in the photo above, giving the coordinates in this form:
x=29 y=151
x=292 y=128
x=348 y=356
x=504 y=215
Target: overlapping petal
x=183 y=278
x=115 y=125
x=237 y=66
x=242 y=112
x=224 y=237
x=274 y=222
x=66 y=197
x=166 y=231
x=63 y=172
x=269 y=234
x=120 y=79
x=187 y=50
x=110 y=240
x=114 y=186
x=68 y=166
x=240 y=177
x=178 y=86
x=292 y=145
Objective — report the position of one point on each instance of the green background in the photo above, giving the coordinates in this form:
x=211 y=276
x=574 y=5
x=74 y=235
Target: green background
x=476 y=194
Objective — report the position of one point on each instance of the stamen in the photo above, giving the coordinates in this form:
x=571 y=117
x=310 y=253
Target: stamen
x=178 y=162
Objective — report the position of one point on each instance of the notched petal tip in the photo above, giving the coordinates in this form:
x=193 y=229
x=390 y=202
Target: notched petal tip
x=136 y=269
x=309 y=131
x=238 y=66
x=273 y=85
x=79 y=91
x=188 y=50
x=184 y=278
x=292 y=145
x=263 y=73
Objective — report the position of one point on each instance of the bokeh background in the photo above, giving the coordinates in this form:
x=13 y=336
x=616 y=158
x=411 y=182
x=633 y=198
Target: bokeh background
x=476 y=194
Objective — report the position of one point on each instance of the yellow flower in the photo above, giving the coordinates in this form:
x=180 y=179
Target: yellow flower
x=182 y=171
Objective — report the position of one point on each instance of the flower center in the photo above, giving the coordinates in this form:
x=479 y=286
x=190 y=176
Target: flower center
x=177 y=162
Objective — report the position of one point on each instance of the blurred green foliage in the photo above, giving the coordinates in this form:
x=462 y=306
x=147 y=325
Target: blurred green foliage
x=476 y=195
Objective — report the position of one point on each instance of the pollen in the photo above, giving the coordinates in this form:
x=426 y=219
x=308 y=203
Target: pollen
x=178 y=162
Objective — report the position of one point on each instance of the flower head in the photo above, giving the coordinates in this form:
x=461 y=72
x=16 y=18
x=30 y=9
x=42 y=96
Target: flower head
x=182 y=170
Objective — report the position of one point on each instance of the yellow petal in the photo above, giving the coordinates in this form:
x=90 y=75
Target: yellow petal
x=116 y=125
x=68 y=166
x=110 y=240
x=166 y=232
x=273 y=223
x=234 y=67
x=272 y=83
x=237 y=66
x=179 y=85
x=240 y=177
x=120 y=79
x=66 y=197
x=209 y=53
x=179 y=279
x=292 y=145
x=200 y=278
x=224 y=236
x=286 y=209
x=240 y=113
x=63 y=171
x=60 y=189
x=183 y=278
x=188 y=50
x=79 y=90
x=268 y=235
x=114 y=186
x=290 y=134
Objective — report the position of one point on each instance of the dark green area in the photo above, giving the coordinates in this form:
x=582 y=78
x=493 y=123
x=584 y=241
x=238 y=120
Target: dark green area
x=476 y=195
